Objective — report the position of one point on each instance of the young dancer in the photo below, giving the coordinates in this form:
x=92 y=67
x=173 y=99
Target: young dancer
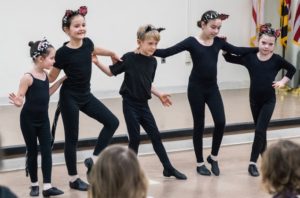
x=202 y=87
x=34 y=119
x=117 y=173
x=139 y=69
x=263 y=67
x=280 y=169
x=75 y=59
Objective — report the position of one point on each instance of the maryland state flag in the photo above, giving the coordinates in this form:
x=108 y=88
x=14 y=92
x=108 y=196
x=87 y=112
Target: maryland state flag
x=284 y=21
x=296 y=29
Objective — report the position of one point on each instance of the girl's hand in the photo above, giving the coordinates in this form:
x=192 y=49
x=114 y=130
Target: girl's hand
x=165 y=99
x=15 y=100
x=278 y=84
x=115 y=58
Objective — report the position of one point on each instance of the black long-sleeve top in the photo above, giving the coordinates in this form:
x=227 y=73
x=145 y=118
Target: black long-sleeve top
x=139 y=74
x=262 y=73
x=204 y=58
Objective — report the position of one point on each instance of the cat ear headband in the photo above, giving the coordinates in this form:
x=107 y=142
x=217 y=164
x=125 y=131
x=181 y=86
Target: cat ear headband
x=267 y=29
x=69 y=13
x=149 y=28
x=214 y=15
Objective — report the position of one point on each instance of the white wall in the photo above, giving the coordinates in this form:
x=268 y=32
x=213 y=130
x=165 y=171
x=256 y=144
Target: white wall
x=112 y=24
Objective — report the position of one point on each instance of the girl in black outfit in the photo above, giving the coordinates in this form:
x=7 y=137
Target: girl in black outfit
x=75 y=59
x=263 y=67
x=34 y=119
x=139 y=69
x=202 y=87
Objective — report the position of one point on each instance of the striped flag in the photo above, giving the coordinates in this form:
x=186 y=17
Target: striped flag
x=284 y=21
x=257 y=20
x=296 y=29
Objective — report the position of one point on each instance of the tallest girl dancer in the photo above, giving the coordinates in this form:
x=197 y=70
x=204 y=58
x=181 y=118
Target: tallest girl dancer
x=75 y=58
x=202 y=86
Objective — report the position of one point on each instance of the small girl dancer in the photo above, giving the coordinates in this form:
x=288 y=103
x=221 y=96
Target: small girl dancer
x=34 y=119
x=263 y=67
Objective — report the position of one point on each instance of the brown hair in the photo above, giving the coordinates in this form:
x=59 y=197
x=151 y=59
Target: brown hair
x=281 y=168
x=117 y=174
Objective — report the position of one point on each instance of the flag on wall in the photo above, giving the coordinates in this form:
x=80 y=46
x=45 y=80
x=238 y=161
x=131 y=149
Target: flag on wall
x=257 y=19
x=284 y=21
x=296 y=28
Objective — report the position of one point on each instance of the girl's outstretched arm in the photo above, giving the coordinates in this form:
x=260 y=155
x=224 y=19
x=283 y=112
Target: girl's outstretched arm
x=53 y=74
x=238 y=50
x=164 y=98
x=175 y=49
x=232 y=58
x=104 y=52
x=101 y=66
x=56 y=85
x=18 y=99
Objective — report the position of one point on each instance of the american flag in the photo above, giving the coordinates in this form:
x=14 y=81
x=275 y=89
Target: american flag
x=296 y=29
x=257 y=19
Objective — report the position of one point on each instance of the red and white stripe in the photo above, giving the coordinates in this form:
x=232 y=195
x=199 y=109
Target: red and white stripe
x=296 y=28
x=257 y=20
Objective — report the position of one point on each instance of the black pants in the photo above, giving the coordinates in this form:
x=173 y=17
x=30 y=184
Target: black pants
x=198 y=96
x=35 y=125
x=71 y=103
x=262 y=113
x=138 y=113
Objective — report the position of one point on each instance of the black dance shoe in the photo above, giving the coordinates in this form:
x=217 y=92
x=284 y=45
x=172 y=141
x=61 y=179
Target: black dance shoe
x=78 y=184
x=52 y=192
x=34 y=191
x=214 y=166
x=202 y=170
x=88 y=162
x=252 y=169
x=175 y=173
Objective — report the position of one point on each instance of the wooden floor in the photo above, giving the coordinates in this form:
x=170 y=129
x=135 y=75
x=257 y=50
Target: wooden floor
x=234 y=180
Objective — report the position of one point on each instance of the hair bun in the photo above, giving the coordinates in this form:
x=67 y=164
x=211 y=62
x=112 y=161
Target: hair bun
x=199 y=23
x=31 y=43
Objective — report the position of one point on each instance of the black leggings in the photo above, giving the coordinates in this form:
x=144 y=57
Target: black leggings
x=71 y=103
x=36 y=126
x=198 y=96
x=262 y=113
x=136 y=114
